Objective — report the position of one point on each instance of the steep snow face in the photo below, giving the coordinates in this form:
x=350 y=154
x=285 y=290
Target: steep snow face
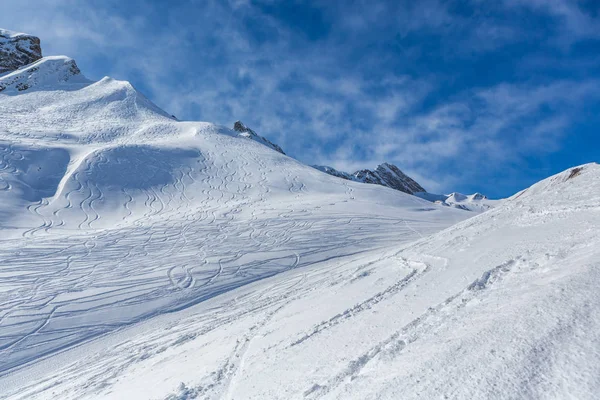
x=501 y=306
x=386 y=174
x=112 y=212
x=246 y=132
x=17 y=50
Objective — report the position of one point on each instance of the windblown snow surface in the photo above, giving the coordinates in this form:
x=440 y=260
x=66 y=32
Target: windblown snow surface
x=142 y=257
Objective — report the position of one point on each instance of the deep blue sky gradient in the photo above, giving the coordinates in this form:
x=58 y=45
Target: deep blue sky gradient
x=462 y=95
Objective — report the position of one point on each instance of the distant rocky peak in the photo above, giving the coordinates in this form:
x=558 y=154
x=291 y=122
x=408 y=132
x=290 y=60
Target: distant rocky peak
x=385 y=174
x=389 y=175
x=17 y=50
x=246 y=132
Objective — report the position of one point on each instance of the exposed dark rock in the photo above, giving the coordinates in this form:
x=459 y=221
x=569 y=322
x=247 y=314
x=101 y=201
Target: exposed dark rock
x=385 y=175
x=17 y=50
x=244 y=131
x=391 y=176
x=575 y=172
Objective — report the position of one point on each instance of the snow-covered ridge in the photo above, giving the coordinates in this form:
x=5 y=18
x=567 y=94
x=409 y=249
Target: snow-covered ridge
x=48 y=72
x=246 y=132
x=476 y=202
x=334 y=172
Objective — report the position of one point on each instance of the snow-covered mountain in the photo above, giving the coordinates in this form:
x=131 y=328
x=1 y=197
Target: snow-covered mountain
x=113 y=212
x=145 y=257
x=391 y=176
x=386 y=174
x=476 y=202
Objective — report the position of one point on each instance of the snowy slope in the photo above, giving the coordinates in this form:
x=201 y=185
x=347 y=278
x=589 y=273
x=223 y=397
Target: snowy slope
x=501 y=306
x=112 y=212
x=143 y=257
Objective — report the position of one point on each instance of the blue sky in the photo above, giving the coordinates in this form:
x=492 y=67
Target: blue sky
x=467 y=96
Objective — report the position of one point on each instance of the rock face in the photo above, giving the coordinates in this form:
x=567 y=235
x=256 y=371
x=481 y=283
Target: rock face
x=389 y=175
x=244 y=131
x=385 y=175
x=17 y=50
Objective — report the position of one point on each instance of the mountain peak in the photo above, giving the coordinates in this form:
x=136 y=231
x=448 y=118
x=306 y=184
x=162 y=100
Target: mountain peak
x=385 y=174
x=17 y=50
x=389 y=175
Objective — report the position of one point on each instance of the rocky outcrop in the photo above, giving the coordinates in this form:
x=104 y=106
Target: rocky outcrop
x=391 y=176
x=244 y=131
x=17 y=50
x=385 y=175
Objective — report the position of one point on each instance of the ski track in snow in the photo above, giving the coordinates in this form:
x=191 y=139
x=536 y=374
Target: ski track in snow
x=174 y=248
x=143 y=257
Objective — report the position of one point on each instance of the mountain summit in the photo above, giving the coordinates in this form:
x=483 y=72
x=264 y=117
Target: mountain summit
x=389 y=175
